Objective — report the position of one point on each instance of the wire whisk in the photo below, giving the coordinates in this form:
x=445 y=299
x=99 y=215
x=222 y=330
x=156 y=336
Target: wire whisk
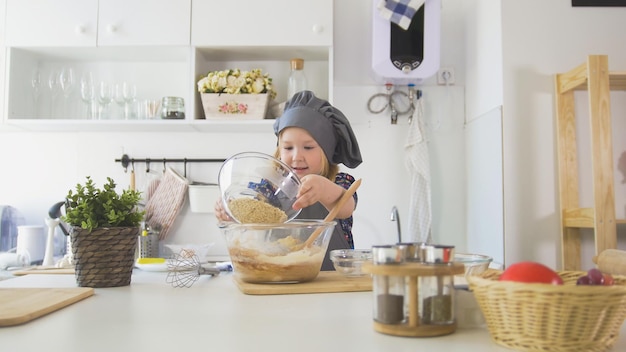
x=184 y=269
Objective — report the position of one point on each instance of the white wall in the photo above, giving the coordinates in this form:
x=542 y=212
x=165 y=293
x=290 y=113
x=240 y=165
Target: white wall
x=539 y=39
x=483 y=67
x=39 y=168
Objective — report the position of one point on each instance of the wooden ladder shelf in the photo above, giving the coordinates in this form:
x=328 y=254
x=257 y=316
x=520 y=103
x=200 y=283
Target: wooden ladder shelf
x=593 y=76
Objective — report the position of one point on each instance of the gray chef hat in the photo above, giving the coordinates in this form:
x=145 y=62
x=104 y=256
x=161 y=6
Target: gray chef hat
x=328 y=126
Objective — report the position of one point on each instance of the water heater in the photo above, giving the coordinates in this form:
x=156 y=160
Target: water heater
x=409 y=56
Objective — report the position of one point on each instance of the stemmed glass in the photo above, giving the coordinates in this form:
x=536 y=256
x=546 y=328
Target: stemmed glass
x=35 y=83
x=53 y=84
x=88 y=94
x=130 y=93
x=119 y=97
x=66 y=82
x=105 y=96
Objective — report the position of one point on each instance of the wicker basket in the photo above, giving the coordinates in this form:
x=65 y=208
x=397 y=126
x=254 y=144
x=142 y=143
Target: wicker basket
x=104 y=257
x=540 y=317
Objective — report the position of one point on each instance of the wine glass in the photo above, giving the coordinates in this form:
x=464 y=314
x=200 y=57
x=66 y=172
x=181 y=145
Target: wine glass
x=35 y=83
x=130 y=93
x=118 y=96
x=88 y=93
x=53 y=84
x=66 y=83
x=105 y=96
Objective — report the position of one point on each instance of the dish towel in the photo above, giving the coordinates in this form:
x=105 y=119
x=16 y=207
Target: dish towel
x=400 y=12
x=417 y=163
x=167 y=201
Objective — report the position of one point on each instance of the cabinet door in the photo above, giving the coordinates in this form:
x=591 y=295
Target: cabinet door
x=144 y=22
x=264 y=23
x=51 y=23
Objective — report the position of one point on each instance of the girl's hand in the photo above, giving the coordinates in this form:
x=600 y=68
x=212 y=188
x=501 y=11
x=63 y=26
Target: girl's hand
x=316 y=188
x=310 y=192
x=220 y=212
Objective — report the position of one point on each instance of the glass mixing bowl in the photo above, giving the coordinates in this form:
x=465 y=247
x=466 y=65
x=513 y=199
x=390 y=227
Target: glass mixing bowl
x=258 y=188
x=273 y=253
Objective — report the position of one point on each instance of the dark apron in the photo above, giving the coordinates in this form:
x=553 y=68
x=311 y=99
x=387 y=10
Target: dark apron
x=337 y=241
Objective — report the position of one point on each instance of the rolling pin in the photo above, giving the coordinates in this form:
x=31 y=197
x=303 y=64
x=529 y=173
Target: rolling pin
x=611 y=261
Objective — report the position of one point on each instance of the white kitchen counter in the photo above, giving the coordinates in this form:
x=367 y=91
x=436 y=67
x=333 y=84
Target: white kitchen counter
x=213 y=315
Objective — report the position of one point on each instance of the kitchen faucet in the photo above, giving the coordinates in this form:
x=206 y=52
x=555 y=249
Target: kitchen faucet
x=395 y=216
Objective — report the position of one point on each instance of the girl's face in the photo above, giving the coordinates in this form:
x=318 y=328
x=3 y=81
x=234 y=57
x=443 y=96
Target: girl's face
x=300 y=151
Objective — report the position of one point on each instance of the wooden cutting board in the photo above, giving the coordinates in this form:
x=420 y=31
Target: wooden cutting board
x=325 y=282
x=21 y=305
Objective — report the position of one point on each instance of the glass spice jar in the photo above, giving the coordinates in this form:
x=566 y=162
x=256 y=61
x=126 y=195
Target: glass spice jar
x=172 y=108
x=388 y=290
x=437 y=292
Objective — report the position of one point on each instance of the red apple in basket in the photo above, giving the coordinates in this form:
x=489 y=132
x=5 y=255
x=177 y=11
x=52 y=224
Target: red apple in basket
x=531 y=272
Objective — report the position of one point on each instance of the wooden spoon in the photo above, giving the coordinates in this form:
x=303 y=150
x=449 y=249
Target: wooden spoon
x=331 y=215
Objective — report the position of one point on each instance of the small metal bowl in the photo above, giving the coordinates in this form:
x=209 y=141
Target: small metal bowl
x=349 y=261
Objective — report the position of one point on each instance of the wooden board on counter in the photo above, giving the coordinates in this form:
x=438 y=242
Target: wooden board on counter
x=21 y=305
x=41 y=270
x=325 y=282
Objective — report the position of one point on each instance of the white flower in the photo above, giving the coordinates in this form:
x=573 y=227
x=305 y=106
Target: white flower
x=236 y=82
x=258 y=85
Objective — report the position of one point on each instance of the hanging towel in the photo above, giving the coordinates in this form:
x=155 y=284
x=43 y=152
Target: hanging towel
x=400 y=12
x=417 y=163
x=167 y=201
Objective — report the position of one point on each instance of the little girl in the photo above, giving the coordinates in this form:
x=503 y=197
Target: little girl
x=313 y=138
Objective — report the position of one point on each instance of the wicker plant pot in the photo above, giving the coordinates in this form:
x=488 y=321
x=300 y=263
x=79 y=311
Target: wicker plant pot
x=104 y=257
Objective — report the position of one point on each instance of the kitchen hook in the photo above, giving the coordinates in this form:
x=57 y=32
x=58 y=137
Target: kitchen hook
x=413 y=95
x=147 y=165
x=164 y=167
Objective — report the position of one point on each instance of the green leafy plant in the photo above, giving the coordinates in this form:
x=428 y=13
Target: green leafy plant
x=90 y=207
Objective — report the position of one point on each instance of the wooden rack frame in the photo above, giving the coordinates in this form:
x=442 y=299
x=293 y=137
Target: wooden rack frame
x=593 y=76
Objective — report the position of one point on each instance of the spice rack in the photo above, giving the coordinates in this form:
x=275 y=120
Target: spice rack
x=411 y=273
x=595 y=77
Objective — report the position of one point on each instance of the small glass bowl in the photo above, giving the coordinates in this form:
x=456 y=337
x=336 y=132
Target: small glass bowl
x=348 y=262
x=475 y=264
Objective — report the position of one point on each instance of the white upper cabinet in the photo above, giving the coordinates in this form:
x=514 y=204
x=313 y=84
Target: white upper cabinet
x=70 y=23
x=51 y=23
x=262 y=23
x=144 y=22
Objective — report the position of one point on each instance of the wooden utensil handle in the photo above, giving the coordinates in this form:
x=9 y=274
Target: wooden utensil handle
x=611 y=261
x=335 y=210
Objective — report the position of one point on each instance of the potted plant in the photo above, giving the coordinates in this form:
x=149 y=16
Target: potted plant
x=236 y=94
x=104 y=227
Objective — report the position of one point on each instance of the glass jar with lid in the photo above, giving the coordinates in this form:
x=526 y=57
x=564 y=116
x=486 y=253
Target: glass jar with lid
x=172 y=108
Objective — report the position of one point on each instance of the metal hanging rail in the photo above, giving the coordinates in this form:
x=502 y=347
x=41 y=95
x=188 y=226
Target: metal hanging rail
x=126 y=160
